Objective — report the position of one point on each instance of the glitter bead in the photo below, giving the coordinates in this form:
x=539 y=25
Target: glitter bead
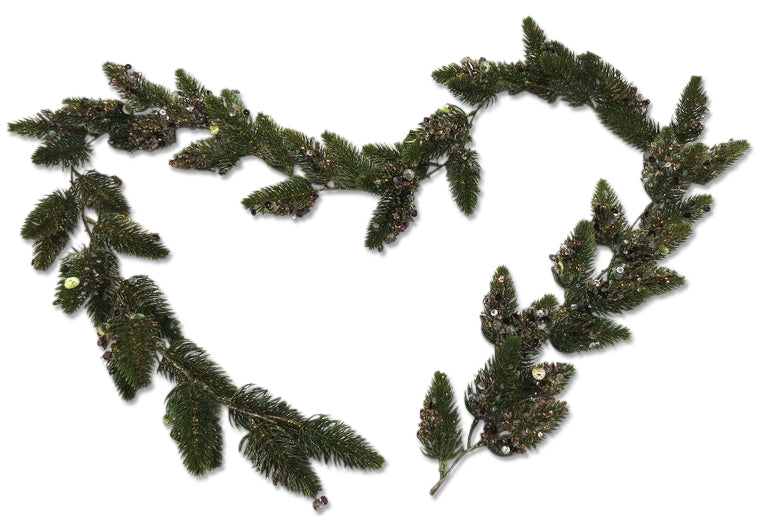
x=485 y=66
x=540 y=313
x=214 y=129
x=190 y=108
x=320 y=502
x=100 y=331
x=540 y=434
x=166 y=421
x=71 y=282
x=162 y=111
x=408 y=174
x=538 y=373
x=505 y=450
x=620 y=269
x=127 y=109
x=493 y=312
x=446 y=109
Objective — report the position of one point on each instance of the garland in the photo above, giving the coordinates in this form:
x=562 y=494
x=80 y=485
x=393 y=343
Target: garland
x=512 y=395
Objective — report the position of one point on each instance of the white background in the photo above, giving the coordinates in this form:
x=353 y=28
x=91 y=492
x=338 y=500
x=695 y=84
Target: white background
x=672 y=423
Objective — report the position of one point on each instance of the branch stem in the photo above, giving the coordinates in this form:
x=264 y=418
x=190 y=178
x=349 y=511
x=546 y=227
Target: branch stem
x=223 y=400
x=445 y=474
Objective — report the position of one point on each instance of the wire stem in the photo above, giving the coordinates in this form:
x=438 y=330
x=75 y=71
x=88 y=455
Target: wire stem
x=448 y=472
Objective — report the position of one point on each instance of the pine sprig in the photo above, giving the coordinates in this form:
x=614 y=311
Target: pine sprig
x=440 y=433
x=125 y=236
x=193 y=414
x=139 y=332
x=50 y=224
x=294 y=196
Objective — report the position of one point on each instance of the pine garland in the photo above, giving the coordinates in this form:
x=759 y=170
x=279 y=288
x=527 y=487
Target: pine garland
x=513 y=395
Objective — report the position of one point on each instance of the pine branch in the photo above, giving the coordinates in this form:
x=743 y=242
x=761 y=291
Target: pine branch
x=440 y=433
x=463 y=173
x=294 y=196
x=125 y=236
x=193 y=414
x=50 y=225
x=690 y=112
x=101 y=193
x=333 y=442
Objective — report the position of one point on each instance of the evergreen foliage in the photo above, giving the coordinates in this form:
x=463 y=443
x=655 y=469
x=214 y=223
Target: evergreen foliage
x=440 y=432
x=513 y=395
x=139 y=332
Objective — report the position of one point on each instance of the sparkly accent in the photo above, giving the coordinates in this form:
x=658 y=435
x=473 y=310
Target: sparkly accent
x=493 y=312
x=71 y=282
x=408 y=174
x=214 y=129
x=538 y=373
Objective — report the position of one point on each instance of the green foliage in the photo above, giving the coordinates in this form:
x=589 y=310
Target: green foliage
x=494 y=384
x=477 y=81
x=134 y=350
x=272 y=146
x=514 y=398
x=272 y=451
x=143 y=296
x=534 y=38
x=127 y=237
x=334 y=442
x=500 y=307
x=576 y=329
x=50 y=225
x=188 y=86
x=38 y=126
x=64 y=150
x=294 y=196
x=193 y=414
x=96 y=271
x=392 y=216
x=463 y=173
x=690 y=112
x=271 y=442
x=212 y=154
x=135 y=89
x=573 y=265
x=342 y=163
x=609 y=220
x=184 y=361
x=101 y=193
x=440 y=433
